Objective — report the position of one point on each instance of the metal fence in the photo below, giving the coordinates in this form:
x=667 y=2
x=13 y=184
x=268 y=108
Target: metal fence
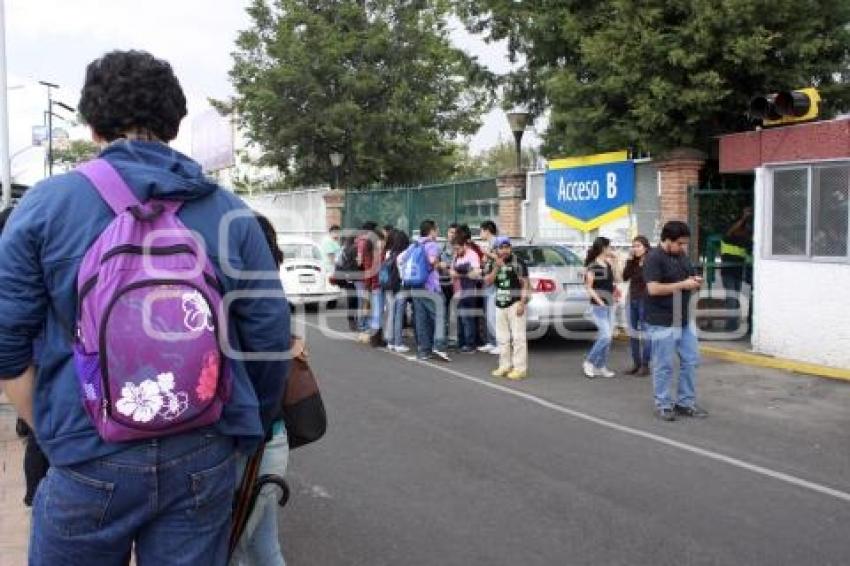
x=464 y=202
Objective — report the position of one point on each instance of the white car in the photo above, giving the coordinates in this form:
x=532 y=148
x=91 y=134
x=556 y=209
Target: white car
x=305 y=273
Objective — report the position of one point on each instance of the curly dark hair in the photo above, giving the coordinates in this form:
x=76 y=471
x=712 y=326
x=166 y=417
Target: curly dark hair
x=132 y=90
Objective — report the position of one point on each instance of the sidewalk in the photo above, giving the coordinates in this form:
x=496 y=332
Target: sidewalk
x=14 y=516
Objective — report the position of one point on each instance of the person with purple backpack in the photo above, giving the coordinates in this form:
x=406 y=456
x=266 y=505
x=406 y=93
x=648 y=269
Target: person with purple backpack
x=166 y=333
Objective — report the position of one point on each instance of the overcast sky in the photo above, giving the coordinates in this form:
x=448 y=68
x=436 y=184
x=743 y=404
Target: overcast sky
x=53 y=40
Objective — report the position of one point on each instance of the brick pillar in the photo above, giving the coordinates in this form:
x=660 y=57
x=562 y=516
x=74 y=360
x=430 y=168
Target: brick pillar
x=334 y=206
x=678 y=170
x=511 y=189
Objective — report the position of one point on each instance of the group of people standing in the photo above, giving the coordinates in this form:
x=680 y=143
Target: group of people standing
x=461 y=295
x=661 y=326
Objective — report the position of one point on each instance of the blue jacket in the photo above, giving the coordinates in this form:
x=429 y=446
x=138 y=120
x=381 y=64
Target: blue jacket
x=41 y=249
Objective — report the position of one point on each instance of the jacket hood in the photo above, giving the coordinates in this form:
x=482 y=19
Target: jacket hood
x=158 y=171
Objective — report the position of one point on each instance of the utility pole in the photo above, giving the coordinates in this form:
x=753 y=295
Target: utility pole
x=5 y=161
x=50 y=87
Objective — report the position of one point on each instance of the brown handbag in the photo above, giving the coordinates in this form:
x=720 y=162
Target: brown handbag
x=303 y=408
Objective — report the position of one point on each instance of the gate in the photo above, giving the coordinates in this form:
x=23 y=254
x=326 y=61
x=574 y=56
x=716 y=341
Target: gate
x=463 y=202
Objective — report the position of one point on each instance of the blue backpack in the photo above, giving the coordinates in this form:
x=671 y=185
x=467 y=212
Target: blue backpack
x=416 y=268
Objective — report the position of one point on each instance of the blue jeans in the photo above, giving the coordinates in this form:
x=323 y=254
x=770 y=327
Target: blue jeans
x=640 y=343
x=598 y=355
x=171 y=496
x=430 y=331
x=377 y=311
x=396 y=324
x=361 y=316
x=667 y=341
x=260 y=542
x=468 y=322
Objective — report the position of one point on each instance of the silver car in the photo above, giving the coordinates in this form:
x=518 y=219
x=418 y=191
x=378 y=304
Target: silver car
x=559 y=299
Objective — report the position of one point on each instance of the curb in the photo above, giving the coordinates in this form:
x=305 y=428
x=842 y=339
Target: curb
x=761 y=360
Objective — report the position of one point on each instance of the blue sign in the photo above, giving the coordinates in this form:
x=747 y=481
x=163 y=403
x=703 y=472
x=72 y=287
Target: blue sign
x=587 y=192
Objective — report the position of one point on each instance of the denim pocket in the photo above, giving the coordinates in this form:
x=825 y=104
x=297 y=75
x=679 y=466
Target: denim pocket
x=76 y=504
x=214 y=487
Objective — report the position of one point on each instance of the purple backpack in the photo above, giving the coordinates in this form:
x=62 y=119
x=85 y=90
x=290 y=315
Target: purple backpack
x=147 y=352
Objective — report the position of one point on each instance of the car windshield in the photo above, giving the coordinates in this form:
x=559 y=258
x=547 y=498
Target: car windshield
x=547 y=256
x=301 y=251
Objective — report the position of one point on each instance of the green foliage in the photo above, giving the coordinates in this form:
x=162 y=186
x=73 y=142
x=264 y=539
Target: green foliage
x=376 y=80
x=492 y=161
x=658 y=74
x=77 y=152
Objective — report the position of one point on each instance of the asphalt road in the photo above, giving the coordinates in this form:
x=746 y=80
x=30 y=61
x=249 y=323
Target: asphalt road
x=441 y=464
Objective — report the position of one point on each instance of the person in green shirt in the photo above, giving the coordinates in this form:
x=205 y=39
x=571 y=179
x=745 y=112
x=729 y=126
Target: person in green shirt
x=330 y=246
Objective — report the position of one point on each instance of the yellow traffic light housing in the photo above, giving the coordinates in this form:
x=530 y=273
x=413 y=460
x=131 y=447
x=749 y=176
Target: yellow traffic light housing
x=786 y=107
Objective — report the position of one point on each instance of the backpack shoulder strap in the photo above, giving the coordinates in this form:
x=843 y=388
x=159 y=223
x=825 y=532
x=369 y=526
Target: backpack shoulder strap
x=109 y=185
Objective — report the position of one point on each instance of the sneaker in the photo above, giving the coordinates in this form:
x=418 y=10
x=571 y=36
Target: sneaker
x=467 y=350
x=495 y=350
x=665 y=414
x=694 y=411
x=421 y=357
x=517 y=375
x=589 y=370
x=485 y=349
x=501 y=372
x=634 y=370
x=402 y=349
x=364 y=338
x=391 y=348
x=605 y=372
x=442 y=355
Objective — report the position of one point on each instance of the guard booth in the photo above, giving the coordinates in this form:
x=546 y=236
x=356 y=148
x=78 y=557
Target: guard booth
x=801 y=257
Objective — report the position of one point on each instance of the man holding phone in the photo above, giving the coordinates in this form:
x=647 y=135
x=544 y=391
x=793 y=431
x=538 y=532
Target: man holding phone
x=670 y=280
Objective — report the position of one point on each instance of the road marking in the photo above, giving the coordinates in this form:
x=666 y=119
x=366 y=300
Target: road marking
x=710 y=454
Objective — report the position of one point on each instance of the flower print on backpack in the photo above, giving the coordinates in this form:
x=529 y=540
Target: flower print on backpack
x=198 y=313
x=208 y=380
x=141 y=402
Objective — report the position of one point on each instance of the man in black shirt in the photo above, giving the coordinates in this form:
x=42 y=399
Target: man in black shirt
x=670 y=281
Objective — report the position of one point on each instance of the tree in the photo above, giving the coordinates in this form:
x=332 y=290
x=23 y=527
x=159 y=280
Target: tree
x=375 y=80
x=492 y=161
x=77 y=152
x=657 y=74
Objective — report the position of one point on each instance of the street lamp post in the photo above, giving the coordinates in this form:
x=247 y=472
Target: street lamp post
x=5 y=161
x=336 y=161
x=518 y=122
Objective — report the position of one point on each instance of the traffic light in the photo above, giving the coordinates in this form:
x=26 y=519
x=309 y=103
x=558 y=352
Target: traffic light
x=786 y=107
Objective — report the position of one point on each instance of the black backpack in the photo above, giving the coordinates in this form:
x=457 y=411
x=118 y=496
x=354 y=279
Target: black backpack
x=346 y=269
x=388 y=276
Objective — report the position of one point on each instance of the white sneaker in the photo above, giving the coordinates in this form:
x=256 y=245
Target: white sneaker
x=442 y=355
x=485 y=349
x=402 y=349
x=605 y=372
x=495 y=350
x=589 y=369
x=391 y=348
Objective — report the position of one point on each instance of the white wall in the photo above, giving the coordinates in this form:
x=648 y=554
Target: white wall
x=299 y=213
x=800 y=308
x=802 y=311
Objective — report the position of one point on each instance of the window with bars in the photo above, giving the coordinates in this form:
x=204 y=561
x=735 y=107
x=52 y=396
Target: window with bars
x=809 y=215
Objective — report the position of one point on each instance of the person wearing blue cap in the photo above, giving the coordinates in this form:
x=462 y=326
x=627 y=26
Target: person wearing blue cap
x=510 y=278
